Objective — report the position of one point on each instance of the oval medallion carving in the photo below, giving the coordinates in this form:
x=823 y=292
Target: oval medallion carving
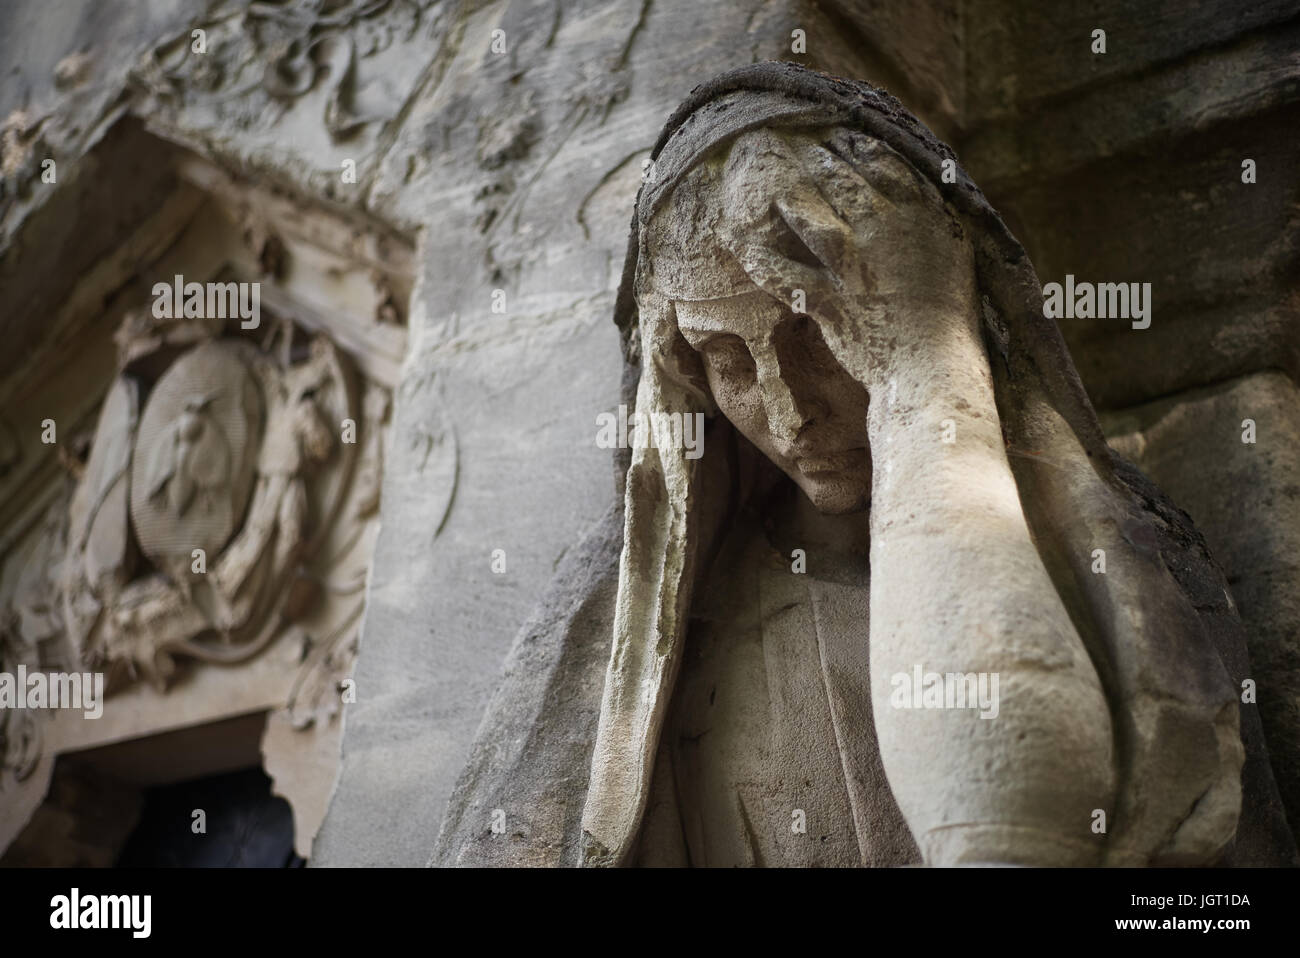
x=194 y=459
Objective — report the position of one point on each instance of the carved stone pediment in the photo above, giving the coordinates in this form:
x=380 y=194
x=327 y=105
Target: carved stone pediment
x=217 y=519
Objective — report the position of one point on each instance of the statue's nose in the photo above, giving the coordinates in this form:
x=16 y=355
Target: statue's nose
x=785 y=415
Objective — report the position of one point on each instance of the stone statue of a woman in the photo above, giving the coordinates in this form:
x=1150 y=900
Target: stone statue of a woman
x=907 y=606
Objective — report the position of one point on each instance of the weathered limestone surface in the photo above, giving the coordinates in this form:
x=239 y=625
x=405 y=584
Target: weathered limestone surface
x=801 y=273
x=516 y=171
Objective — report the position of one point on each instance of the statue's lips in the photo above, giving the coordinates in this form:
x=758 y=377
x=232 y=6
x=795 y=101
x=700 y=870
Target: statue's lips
x=812 y=466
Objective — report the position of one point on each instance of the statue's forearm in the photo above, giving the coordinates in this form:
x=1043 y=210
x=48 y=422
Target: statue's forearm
x=957 y=588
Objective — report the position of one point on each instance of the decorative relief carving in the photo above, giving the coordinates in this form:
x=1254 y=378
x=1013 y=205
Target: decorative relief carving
x=196 y=515
x=276 y=54
x=22 y=147
x=205 y=545
x=218 y=472
x=30 y=623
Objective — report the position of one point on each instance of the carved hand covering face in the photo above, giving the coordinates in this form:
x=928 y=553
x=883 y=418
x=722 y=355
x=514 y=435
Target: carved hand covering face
x=798 y=265
x=734 y=236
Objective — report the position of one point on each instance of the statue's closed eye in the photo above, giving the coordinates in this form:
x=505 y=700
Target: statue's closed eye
x=728 y=355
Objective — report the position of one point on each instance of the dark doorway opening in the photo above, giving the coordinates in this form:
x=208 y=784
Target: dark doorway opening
x=220 y=821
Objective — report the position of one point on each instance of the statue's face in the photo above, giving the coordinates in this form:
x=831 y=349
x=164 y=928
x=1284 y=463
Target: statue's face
x=772 y=374
x=885 y=271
